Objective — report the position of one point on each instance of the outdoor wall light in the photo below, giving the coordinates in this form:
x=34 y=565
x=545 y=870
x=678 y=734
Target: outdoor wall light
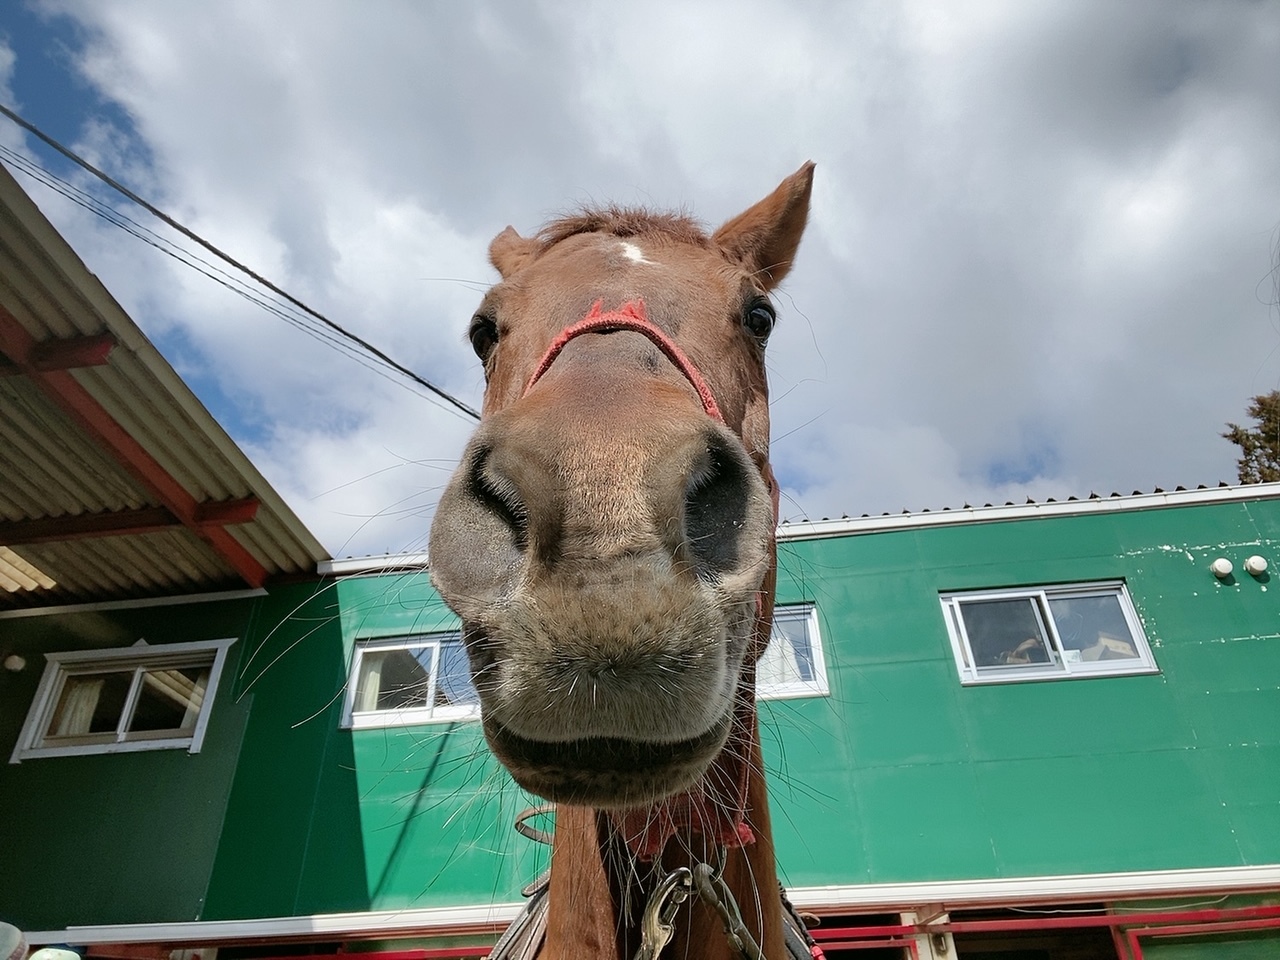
x=1221 y=568
x=14 y=663
x=1256 y=565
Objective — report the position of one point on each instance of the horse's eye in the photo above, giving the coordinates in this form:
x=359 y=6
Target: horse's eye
x=759 y=319
x=483 y=335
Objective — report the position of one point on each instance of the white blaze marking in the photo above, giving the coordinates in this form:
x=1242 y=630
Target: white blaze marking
x=634 y=253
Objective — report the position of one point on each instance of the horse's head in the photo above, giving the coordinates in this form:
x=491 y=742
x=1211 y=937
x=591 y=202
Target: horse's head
x=608 y=535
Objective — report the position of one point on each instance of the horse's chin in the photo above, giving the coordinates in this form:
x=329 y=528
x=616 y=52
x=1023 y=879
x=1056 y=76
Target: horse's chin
x=607 y=772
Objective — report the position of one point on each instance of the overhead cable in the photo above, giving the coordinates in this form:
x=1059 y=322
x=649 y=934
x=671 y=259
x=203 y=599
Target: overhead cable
x=227 y=258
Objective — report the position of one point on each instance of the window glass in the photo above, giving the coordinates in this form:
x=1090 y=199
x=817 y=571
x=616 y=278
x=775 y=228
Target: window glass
x=1093 y=628
x=1006 y=632
x=455 y=686
x=1064 y=631
x=792 y=664
x=395 y=679
x=411 y=680
x=169 y=701
x=90 y=704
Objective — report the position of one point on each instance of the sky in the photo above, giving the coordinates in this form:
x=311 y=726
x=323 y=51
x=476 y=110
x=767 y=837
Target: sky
x=1040 y=259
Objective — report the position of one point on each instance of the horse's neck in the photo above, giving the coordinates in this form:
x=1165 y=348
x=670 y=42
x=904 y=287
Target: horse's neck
x=585 y=919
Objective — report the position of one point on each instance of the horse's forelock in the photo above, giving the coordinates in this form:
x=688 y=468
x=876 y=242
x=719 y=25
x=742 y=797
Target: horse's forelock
x=624 y=222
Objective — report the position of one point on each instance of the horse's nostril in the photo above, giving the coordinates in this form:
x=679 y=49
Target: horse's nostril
x=497 y=494
x=716 y=508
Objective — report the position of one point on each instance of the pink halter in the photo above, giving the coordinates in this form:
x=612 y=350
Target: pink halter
x=630 y=316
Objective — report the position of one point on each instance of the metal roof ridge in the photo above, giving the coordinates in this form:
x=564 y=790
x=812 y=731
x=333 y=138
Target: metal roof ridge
x=1093 y=504
x=814 y=529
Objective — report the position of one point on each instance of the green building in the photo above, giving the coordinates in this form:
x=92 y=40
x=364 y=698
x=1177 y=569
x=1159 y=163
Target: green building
x=1046 y=731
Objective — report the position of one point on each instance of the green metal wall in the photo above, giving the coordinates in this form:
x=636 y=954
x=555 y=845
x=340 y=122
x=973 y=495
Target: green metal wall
x=914 y=777
x=900 y=775
x=324 y=819
x=112 y=838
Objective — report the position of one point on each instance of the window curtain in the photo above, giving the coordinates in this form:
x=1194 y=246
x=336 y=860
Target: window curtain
x=780 y=665
x=370 y=682
x=75 y=711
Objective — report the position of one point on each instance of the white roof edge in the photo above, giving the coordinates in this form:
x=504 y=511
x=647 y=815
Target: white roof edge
x=388 y=563
x=817 y=529
x=370 y=923
x=813 y=529
x=97 y=606
x=904 y=896
x=1104 y=886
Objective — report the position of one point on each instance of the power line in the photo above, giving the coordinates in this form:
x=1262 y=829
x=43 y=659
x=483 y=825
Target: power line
x=187 y=258
x=227 y=258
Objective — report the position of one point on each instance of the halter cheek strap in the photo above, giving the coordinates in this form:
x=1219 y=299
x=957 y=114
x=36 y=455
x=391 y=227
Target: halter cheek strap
x=630 y=316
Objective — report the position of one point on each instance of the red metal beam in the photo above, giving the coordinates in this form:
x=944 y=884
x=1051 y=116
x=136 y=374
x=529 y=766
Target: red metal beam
x=110 y=524
x=116 y=523
x=1141 y=920
x=88 y=351
x=77 y=403
x=226 y=513
x=1195 y=930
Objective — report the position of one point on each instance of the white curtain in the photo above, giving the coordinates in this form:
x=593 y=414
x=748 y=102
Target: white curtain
x=370 y=682
x=75 y=711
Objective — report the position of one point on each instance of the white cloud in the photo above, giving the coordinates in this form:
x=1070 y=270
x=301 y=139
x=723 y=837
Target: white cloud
x=1033 y=264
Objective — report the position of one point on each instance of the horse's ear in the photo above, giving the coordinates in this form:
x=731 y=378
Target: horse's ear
x=510 y=251
x=764 y=238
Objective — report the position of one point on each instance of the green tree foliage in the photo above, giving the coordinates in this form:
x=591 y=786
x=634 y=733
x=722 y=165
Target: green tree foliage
x=1260 y=444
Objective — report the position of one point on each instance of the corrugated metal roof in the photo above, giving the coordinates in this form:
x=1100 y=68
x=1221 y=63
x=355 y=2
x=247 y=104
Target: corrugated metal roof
x=63 y=486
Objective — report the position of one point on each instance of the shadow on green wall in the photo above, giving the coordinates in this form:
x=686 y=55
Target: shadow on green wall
x=296 y=775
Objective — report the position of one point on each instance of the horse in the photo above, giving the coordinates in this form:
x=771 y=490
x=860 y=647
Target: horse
x=608 y=543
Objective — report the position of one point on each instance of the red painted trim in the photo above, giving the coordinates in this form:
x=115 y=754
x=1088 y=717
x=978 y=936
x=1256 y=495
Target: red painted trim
x=78 y=404
x=867 y=944
x=225 y=513
x=1149 y=923
x=89 y=351
x=1194 y=930
x=423 y=953
x=1112 y=920
x=86 y=525
x=117 y=523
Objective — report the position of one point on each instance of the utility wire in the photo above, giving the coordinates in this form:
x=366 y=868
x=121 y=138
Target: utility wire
x=227 y=258
x=189 y=259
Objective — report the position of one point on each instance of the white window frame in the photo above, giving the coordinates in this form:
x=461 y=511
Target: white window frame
x=1060 y=667
x=817 y=687
x=406 y=716
x=139 y=658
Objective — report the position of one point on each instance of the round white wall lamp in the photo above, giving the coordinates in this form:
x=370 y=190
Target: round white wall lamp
x=1256 y=565
x=14 y=663
x=1221 y=568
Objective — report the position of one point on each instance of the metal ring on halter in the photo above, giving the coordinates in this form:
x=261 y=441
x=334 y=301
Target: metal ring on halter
x=533 y=833
x=715 y=893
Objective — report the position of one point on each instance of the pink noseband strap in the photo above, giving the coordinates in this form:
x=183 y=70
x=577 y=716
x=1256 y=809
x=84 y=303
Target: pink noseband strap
x=630 y=316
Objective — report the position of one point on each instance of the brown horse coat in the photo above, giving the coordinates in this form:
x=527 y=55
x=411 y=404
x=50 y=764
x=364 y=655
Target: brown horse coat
x=608 y=546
